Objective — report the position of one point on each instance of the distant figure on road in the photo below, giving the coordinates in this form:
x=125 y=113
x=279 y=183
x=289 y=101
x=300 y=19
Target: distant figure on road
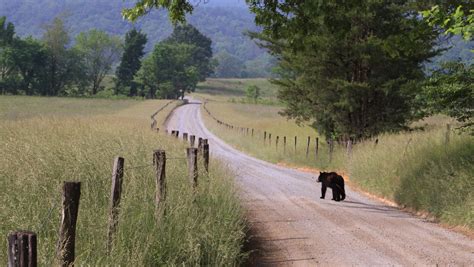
x=333 y=181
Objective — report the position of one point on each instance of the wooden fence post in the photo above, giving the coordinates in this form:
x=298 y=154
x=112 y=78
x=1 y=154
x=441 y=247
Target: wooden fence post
x=22 y=249
x=448 y=132
x=307 y=146
x=192 y=165
x=176 y=134
x=277 y=139
x=316 y=148
x=200 y=143
x=205 y=155
x=295 y=144
x=284 y=144
x=252 y=132
x=67 y=230
x=185 y=137
x=270 y=139
x=247 y=131
x=192 y=140
x=159 y=161
x=116 y=192
x=264 y=138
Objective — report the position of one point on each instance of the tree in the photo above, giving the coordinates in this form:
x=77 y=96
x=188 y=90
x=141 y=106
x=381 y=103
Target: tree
x=177 y=9
x=253 y=92
x=455 y=18
x=131 y=60
x=7 y=32
x=99 y=52
x=30 y=58
x=169 y=71
x=351 y=69
x=450 y=90
x=62 y=64
x=202 y=55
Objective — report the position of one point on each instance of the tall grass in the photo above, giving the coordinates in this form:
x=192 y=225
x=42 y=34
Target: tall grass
x=421 y=171
x=415 y=169
x=38 y=153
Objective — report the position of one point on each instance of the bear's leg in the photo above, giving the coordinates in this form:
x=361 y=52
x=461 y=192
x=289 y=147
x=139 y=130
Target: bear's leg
x=335 y=193
x=323 y=191
x=343 y=192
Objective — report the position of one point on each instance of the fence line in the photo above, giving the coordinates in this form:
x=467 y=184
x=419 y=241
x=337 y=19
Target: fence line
x=22 y=250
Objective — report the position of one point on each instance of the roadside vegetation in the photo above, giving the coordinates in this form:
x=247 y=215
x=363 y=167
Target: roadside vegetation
x=45 y=141
x=417 y=169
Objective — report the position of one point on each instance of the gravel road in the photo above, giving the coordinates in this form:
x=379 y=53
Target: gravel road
x=293 y=226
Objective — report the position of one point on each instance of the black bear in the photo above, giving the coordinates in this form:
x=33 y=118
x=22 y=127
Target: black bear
x=333 y=181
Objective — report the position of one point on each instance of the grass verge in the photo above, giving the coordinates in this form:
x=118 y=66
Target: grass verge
x=39 y=151
x=419 y=169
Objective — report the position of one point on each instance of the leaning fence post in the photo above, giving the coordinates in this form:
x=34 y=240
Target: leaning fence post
x=22 y=249
x=116 y=191
x=67 y=230
x=159 y=161
x=185 y=137
x=192 y=165
x=307 y=146
x=205 y=155
x=192 y=140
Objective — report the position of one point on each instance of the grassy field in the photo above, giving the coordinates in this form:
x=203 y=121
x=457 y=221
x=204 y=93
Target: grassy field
x=416 y=169
x=233 y=90
x=45 y=141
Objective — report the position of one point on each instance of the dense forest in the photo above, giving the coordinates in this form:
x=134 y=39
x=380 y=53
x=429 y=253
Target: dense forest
x=225 y=22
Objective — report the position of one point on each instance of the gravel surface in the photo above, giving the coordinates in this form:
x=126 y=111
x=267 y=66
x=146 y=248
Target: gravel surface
x=293 y=226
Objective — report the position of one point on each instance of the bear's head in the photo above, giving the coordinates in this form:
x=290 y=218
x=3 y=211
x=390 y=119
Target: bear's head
x=321 y=176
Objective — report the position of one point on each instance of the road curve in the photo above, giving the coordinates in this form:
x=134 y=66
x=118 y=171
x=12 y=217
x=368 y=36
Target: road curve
x=293 y=226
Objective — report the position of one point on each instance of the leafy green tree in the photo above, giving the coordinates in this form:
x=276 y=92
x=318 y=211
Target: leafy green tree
x=169 y=71
x=202 y=55
x=177 y=9
x=62 y=63
x=99 y=52
x=253 y=92
x=456 y=18
x=450 y=90
x=30 y=58
x=7 y=31
x=352 y=68
x=131 y=61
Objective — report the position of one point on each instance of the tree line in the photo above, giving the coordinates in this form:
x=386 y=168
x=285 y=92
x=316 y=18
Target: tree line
x=52 y=66
x=355 y=69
